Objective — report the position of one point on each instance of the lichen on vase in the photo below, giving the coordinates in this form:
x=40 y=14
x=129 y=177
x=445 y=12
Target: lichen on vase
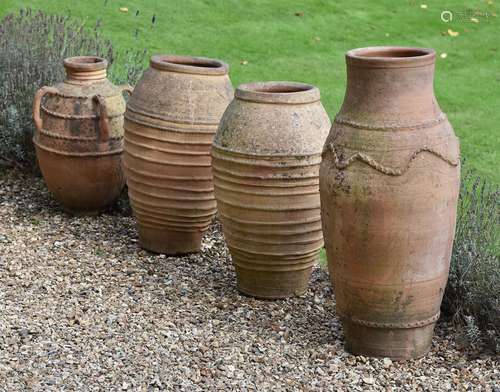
x=79 y=136
x=266 y=157
x=170 y=123
x=389 y=184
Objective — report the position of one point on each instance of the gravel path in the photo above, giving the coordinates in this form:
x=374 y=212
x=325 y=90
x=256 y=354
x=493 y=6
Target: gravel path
x=82 y=307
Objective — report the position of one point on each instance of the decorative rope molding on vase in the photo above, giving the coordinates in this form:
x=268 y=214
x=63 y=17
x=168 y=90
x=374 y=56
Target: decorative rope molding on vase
x=76 y=116
x=373 y=324
x=391 y=126
x=73 y=138
x=391 y=171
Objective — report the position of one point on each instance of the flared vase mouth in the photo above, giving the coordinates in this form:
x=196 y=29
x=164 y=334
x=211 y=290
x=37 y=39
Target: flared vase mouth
x=189 y=65
x=85 y=68
x=278 y=92
x=390 y=56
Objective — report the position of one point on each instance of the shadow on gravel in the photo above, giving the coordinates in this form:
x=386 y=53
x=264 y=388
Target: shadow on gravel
x=208 y=283
x=30 y=197
x=201 y=285
x=27 y=194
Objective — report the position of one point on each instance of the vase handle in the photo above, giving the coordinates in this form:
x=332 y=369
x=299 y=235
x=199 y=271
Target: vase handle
x=37 y=101
x=127 y=88
x=103 y=118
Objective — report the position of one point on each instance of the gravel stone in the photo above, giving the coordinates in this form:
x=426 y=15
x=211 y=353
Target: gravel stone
x=387 y=362
x=82 y=307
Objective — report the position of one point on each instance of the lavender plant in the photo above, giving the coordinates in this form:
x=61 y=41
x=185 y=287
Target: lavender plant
x=472 y=296
x=32 y=46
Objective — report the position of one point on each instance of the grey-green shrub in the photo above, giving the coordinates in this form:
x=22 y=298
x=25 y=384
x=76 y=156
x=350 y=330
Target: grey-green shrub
x=32 y=47
x=472 y=296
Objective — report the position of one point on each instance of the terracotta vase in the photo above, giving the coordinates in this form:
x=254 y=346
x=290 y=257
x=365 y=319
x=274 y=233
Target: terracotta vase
x=266 y=157
x=389 y=184
x=170 y=123
x=79 y=136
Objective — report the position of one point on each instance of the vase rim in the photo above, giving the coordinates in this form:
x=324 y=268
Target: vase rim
x=189 y=64
x=390 y=57
x=85 y=63
x=278 y=92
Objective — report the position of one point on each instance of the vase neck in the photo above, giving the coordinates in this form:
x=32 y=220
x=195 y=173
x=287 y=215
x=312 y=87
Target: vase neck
x=389 y=86
x=85 y=69
x=278 y=93
x=189 y=65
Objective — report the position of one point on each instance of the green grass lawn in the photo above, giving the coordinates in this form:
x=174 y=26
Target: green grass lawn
x=306 y=41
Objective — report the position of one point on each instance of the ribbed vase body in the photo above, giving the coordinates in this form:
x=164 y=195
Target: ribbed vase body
x=170 y=123
x=266 y=158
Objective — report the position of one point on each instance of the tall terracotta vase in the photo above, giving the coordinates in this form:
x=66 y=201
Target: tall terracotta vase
x=170 y=123
x=266 y=157
x=389 y=185
x=79 y=138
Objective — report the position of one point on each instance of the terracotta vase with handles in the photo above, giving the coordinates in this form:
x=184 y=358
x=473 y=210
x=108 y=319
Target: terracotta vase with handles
x=266 y=157
x=389 y=184
x=79 y=136
x=170 y=123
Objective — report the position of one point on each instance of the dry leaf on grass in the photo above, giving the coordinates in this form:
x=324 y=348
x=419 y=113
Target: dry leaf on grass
x=452 y=33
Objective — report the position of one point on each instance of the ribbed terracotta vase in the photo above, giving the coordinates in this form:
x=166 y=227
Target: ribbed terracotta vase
x=389 y=185
x=79 y=137
x=170 y=123
x=266 y=157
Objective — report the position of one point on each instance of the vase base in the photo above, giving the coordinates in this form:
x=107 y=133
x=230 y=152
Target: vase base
x=398 y=344
x=272 y=284
x=169 y=242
